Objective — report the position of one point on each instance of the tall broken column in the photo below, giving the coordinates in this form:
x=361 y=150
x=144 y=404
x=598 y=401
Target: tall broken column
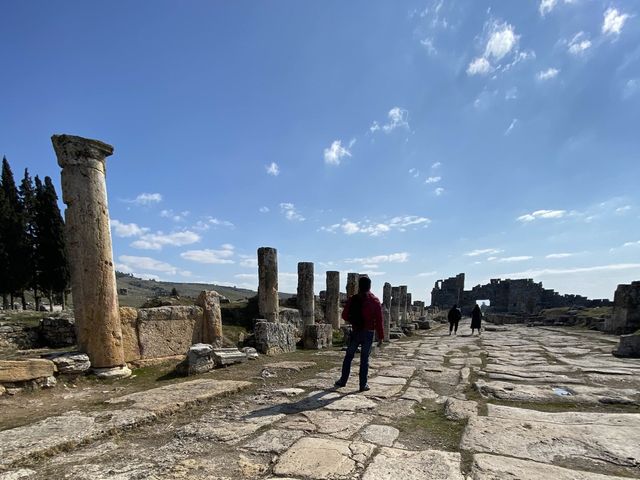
x=305 y=293
x=352 y=284
x=88 y=237
x=332 y=299
x=268 y=305
x=395 y=306
x=403 y=305
x=410 y=317
x=386 y=310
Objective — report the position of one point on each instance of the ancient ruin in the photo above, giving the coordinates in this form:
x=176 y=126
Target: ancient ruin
x=268 y=303
x=352 y=284
x=332 y=299
x=626 y=310
x=93 y=281
x=305 y=298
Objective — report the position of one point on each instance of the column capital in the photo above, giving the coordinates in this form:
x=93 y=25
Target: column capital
x=72 y=150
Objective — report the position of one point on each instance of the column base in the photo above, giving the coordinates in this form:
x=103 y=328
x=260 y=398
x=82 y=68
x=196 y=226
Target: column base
x=112 y=373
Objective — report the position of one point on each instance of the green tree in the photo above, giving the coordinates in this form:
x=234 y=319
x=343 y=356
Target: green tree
x=4 y=256
x=51 y=257
x=28 y=255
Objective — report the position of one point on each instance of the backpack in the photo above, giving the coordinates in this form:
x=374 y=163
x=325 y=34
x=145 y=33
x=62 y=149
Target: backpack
x=355 y=318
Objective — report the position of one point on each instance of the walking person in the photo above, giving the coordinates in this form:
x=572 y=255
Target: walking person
x=364 y=312
x=476 y=319
x=454 y=317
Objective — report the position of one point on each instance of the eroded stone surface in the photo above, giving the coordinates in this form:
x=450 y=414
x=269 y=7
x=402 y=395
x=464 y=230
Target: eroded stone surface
x=394 y=464
x=383 y=435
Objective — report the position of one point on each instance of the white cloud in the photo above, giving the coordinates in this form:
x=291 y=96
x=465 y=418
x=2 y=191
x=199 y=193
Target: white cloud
x=209 y=256
x=397 y=118
x=632 y=244
x=559 y=255
x=479 y=66
x=375 y=126
x=569 y=271
x=622 y=210
x=401 y=257
x=127 y=229
x=131 y=262
x=155 y=241
x=427 y=43
x=176 y=217
x=249 y=262
x=511 y=94
x=512 y=125
x=290 y=212
x=548 y=74
x=630 y=88
x=438 y=191
x=530 y=217
x=613 y=21
x=579 y=44
x=273 y=169
x=335 y=153
x=263 y=209
x=433 y=180
x=374 y=229
x=147 y=199
x=436 y=165
x=427 y=274
x=546 y=6
x=483 y=251
x=501 y=41
x=414 y=172
x=521 y=258
x=220 y=223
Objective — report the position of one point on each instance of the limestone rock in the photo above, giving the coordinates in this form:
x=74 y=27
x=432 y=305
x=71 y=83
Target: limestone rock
x=383 y=435
x=455 y=409
x=112 y=373
x=629 y=346
x=318 y=336
x=211 y=330
x=71 y=363
x=17 y=474
x=395 y=464
x=57 y=332
x=228 y=356
x=274 y=441
x=166 y=331
x=2 y=390
x=200 y=359
x=274 y=338
x=12 y=371
x=251 y=353
x=130 y=342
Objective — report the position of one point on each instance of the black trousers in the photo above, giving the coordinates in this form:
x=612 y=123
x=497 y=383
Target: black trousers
x=453 y=326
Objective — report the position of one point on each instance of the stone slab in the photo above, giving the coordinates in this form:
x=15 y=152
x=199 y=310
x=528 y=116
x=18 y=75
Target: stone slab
x=383 y=435
x=165 y=331
x=295 y=366
x=396 y=464
x=274 y=441
x=455 y=409
x=493 y=467
x=24 y=370
x=338 y=424
x=388 y=380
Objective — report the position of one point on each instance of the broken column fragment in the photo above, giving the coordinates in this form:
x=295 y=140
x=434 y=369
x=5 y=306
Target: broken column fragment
x=305 y=297
x=352 y=284
x=268 y=283
x=332 y=299
x=209 y=301
x=88 y=239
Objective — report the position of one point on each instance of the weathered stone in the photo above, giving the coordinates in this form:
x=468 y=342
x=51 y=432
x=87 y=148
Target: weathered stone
x=228 y=356
x=395 y=464
x=17 y=474
x=305 y=297
x=493 y=467
x=88 y=240
x=352 y=283
x=388 y=380
x=12 y=371
x=71 y=363
x=317 y=458
x=626 y=310
x=274 y=338
x=2 y=390
x=211 y=332
x=57 y=332
x=403 y=306
x=455 y=409
x=290 y=365
x=332 y=300
x=386 y=310
x=268 y=284
x=112 y=373
x=629 y=346
x=352 y=403
x=166 y=331
x=419 y=394
x=200 y=359
x=129 y=325
x=289 y=392
x=395 y=309
x=383 y=435
x=318 y=336
x=338 y=424
x=251 y=353
x=274 y=441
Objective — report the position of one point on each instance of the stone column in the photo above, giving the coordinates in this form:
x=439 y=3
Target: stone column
x=395 y=306
x=268 y=305
x=305 y=293
x=88 y=238
x=386 y=310
x=403 y=305
x=410 y=315
x=332 y=300
x=209 y=301
x=352 y=284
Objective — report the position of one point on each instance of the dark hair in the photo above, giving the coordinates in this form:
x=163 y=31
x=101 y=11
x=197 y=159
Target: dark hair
x=364 y=284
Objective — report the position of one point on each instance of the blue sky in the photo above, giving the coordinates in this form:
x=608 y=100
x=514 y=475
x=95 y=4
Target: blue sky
x=409 y=139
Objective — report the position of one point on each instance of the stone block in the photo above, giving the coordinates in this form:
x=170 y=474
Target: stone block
x=274 y=338
x=209 y=301
x=629 y=346
x=251 y=353
x=228 y=356
x=57 y=332
x=200 y=359
x=291 y=316
x=24 y=370
x=166 y=331
x=70 y=363
x=130 y=344
x=318 y=336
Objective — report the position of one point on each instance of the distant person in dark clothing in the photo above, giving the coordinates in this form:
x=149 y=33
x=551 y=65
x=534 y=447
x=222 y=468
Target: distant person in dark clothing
x=364 y=312
x=476 y=319
x=454 y=317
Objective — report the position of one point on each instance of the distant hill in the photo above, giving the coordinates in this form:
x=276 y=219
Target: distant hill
x=139 y=290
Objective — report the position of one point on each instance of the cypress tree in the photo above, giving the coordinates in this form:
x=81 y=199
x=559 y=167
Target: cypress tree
x=4 y=257
x=28 y=204
x=53 y=268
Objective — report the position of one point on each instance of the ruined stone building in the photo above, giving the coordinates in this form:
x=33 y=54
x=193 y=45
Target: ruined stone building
x=512 y=296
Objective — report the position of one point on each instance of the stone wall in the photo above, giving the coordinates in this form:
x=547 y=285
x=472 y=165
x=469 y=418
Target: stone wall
x=58 y=332
x=18 y=337
x=626 y=310
x=273 y=338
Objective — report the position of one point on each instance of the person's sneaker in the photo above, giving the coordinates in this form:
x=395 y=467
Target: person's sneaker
x=339 y=384
x=366 y=388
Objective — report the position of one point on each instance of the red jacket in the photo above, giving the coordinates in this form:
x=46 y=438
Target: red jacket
x=372 y=313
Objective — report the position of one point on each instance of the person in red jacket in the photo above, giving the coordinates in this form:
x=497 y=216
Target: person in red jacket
x=364 y=312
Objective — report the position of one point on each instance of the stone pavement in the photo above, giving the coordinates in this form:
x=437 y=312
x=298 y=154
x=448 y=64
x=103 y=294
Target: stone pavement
x=515 y=403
